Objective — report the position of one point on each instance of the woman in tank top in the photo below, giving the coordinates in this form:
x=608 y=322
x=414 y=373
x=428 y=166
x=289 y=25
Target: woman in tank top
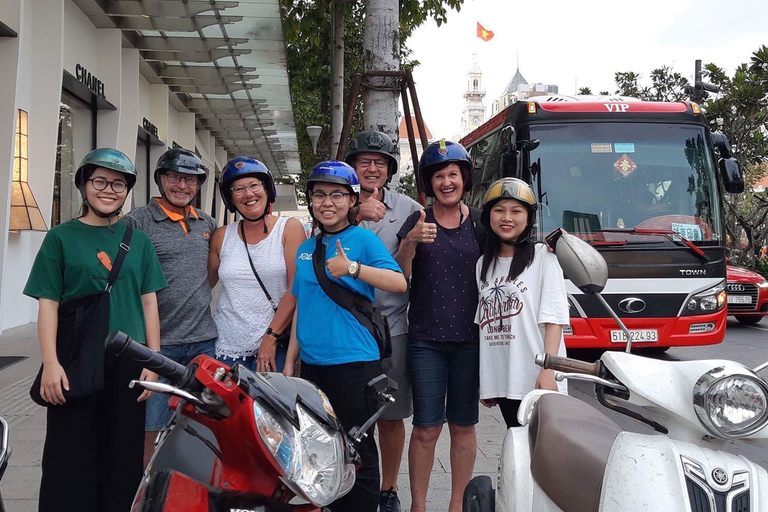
x=248 y=322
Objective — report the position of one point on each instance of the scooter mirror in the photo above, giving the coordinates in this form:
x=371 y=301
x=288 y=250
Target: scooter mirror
x=582 y=264
x=375 y=386
x=5 y=450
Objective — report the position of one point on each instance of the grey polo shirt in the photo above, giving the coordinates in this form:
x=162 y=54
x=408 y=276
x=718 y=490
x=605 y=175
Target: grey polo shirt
x=399 y=208
x=185 y=305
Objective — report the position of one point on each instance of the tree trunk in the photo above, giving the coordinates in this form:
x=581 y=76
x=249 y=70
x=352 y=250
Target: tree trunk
x=337 y=78
x=381 y=52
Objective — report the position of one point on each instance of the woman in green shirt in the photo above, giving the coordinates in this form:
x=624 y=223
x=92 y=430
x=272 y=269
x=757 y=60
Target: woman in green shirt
x=92 y=459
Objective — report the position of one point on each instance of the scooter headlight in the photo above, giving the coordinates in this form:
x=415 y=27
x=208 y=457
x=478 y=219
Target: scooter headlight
x=731 y=402
x=279 y=438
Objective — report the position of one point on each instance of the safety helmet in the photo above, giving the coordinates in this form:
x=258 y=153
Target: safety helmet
x=438 y=155
x=374 y=142
x=182 y=161
x=333 y=171
x=242 y=167
x=509 y=188
x=109 y=158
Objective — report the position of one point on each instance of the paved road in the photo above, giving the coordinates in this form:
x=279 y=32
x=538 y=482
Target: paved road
x=747 y=345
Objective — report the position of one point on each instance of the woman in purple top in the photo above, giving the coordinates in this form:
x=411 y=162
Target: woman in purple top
x=438 y=250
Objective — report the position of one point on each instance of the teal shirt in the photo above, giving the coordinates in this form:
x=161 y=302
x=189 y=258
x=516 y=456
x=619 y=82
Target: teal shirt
x=68 y=266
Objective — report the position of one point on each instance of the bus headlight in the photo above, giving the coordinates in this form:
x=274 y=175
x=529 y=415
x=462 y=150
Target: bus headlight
x=709 y=301
x=731 y=402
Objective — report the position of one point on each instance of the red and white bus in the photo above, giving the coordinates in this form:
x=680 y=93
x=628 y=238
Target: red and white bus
x=642 y=182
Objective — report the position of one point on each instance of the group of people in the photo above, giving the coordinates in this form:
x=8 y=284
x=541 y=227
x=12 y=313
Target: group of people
x=469 y=296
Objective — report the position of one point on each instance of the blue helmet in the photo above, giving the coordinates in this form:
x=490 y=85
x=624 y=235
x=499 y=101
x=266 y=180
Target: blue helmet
x=438 y=155
x=241 y=167
x=334 y=171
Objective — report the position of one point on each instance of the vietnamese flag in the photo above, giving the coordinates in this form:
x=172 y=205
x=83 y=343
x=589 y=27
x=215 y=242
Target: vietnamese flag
x=482 y=33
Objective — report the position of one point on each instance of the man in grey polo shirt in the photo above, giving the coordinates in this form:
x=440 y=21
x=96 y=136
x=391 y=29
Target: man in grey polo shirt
x=181 y=235
x=373 y=156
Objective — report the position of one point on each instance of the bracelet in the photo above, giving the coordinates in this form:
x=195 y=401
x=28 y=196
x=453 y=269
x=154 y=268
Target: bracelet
x=270 y=332
x=357 y=272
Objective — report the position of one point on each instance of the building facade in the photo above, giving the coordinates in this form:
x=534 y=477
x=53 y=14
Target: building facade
x=76 y=78
x=518 y=89
x=473 y=113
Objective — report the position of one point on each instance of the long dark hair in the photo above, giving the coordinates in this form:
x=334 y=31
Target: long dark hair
x=522 y=259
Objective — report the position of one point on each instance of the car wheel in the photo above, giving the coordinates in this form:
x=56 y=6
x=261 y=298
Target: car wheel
x=749 y=320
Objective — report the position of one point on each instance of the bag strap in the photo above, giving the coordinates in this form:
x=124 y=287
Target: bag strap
x=253 y=268
x=357 y=304
x=477 y=227
x=125 y=246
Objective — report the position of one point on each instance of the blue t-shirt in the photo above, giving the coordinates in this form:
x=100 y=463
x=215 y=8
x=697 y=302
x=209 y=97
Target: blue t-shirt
x=327 y=333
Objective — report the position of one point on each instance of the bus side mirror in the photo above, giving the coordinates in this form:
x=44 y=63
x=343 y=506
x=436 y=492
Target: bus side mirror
x=722 y=145
x=508 y=137
x=730 y=170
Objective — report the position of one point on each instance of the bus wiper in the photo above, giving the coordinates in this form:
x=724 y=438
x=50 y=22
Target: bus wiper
x=672 y=236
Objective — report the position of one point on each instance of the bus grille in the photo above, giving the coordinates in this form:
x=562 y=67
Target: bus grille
x=743 y=290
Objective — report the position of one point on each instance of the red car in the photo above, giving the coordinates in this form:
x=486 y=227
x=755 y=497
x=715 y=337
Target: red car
x=747 y=295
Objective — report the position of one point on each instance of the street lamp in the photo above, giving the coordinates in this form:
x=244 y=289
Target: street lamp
x=314 y=136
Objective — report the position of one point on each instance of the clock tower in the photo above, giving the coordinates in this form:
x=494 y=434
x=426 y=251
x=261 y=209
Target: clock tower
x=473 y=114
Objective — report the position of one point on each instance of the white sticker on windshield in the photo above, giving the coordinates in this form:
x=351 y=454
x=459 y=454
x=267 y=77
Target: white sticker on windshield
x=692 y=232
x=602 y=147
x=624 y=147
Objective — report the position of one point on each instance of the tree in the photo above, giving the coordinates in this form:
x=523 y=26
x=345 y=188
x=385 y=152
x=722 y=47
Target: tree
x=407 y=185
x=666 y=85
x=586 y=91
x=307 y=33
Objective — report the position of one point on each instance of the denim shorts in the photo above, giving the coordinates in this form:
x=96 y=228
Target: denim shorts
x=445 y=380
x=157 y=403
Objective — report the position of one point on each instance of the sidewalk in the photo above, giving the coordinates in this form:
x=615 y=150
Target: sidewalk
x=26 y=421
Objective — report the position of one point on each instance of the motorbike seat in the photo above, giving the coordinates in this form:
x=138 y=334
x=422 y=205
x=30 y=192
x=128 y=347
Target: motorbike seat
x=570 y=442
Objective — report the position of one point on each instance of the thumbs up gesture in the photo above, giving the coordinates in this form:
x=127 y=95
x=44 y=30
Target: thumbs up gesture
x=338 y=266
x=372 y=208
x=422 y=232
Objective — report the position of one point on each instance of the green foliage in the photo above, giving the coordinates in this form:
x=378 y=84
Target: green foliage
x=307 y=32
x=666 y=85
x=407 y=186
x=585 y=91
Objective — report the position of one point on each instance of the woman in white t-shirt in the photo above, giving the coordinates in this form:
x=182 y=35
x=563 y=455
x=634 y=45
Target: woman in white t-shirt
x=522 y=301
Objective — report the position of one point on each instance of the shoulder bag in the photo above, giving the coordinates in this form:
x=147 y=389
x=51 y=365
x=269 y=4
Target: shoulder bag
x=83 y=324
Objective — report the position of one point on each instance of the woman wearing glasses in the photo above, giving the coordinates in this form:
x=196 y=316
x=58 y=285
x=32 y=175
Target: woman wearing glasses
x=255 y=260
x=338 y=354
x=92 y=459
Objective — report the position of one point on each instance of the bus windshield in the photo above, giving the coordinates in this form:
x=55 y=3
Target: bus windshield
x=591 y=177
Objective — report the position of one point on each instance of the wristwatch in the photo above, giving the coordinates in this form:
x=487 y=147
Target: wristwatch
x=353 y=270
x=270 y=332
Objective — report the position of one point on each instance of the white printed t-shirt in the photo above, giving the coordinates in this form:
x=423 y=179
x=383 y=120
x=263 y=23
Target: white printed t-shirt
x=511 y=316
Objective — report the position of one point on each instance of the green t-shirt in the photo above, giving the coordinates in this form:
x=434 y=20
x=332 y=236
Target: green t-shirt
x=68 y=266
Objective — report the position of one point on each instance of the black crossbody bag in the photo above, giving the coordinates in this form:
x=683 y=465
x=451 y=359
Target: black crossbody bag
x=83 y=324
x=285 y=336
x=360 y=307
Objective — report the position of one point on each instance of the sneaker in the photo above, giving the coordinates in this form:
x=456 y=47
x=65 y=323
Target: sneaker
x=388 y=501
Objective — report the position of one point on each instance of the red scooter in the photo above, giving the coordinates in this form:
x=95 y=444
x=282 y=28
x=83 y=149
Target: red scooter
x=241 y=441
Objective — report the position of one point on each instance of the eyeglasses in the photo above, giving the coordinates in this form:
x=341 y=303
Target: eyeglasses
x=117 y=186
x=254 y=187
x=336 y=197
x=175 y=179
x=380 y=163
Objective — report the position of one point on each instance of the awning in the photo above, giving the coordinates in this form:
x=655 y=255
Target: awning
x=225 y=61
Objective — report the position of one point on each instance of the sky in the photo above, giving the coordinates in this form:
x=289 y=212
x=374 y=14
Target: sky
x=575 y=44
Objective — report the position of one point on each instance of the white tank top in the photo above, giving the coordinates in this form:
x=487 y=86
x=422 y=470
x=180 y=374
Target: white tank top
x=244 y=313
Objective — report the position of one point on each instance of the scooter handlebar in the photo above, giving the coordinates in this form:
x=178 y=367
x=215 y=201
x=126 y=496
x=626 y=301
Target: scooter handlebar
x=566 y=364
x=122 y=345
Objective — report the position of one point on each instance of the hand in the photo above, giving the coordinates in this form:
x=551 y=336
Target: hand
x=53 y=380
x=288 y=369
x=546 y=380
x=338 y=266
x=148 y=376
x=267 y=349
x=489 y=402
x=372 y=208
x=422 y=232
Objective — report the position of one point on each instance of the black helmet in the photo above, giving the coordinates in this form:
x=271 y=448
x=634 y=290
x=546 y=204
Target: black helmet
x=374 y=142
x=182 y=161
x=438 y=155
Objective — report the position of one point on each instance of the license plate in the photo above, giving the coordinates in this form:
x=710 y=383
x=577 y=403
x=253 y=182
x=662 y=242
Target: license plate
x=739 y=299
x=638 y=335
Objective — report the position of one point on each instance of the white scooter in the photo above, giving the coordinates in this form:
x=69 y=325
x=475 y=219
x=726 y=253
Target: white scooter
x=568 y=457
